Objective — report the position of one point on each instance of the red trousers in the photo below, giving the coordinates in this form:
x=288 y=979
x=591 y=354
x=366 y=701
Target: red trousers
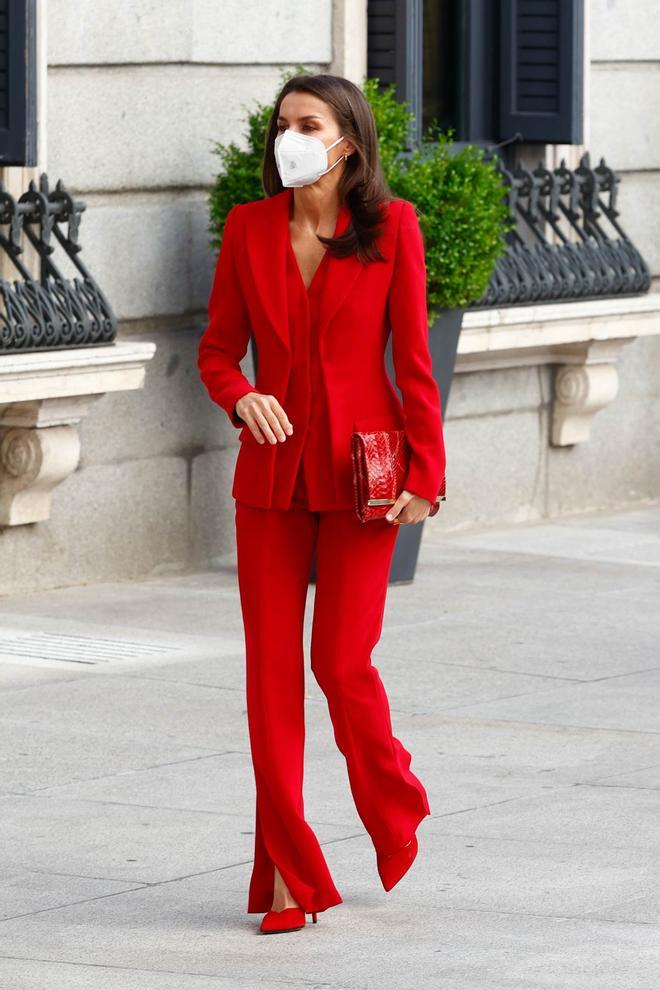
x=275 y=549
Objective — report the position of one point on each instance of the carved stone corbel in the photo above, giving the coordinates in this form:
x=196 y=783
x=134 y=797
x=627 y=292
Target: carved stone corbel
x=583 y=340
x=582 y=388
x=44 y=395
x=37 y=452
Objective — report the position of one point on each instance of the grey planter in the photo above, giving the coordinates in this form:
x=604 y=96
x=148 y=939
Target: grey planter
x=443 y=344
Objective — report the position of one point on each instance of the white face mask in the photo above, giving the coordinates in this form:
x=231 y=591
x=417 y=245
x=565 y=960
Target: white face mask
x=301 y=158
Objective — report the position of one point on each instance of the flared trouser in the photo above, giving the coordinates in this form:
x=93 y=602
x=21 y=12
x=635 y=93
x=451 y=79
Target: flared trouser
x=274 y=555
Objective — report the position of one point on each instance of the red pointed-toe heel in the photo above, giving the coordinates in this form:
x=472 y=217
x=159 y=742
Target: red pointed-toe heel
x=290 y=919
x=392 y=866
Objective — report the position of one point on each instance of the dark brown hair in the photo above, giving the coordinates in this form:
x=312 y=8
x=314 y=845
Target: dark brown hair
x=362 y=185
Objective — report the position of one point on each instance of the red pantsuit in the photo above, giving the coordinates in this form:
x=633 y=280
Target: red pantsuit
x=295 y=497
x=275 y=549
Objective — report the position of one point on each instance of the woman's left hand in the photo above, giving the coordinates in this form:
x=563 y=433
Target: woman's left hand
x=408 y=508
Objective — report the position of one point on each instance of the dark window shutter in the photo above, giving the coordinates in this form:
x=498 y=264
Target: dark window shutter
x=541 y=70
x=381 y=41
x=18 y=89
x=394 y=50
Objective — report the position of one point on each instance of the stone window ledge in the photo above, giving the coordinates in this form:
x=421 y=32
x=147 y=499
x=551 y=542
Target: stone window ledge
x=43 y=397
x=582 y=338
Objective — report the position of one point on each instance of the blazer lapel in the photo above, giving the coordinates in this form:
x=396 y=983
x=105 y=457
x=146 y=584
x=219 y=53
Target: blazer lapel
x=339 y=278
x=267 y=245
x=266 y=239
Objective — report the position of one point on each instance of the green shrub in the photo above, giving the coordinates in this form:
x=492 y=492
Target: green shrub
x=460 y=199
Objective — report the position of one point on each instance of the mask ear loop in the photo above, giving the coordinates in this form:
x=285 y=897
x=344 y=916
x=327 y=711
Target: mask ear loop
x=344 y=156
x=340 y=138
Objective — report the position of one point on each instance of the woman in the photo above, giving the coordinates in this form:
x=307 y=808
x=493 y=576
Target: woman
x=321 y=271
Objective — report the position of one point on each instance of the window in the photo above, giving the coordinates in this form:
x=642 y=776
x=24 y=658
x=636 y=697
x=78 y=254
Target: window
x=491 y=69
x=18 y=89
x=441 y=41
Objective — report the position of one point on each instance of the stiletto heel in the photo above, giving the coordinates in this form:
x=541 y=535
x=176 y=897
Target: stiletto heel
x=288 y=920
x=393 y=866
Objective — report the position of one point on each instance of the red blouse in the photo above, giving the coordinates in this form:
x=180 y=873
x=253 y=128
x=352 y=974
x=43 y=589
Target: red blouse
x=315 y=485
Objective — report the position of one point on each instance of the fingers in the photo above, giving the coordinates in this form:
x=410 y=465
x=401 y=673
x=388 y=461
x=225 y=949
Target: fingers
x=393 y=514
x=408 y=508
x=267 y=420
x=265 y=417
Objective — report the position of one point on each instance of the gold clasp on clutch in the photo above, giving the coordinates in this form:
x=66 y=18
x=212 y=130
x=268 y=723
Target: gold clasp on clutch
x=391 y=501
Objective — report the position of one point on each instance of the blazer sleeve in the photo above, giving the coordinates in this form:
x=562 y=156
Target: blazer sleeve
x=225 y=339
x=408 y=317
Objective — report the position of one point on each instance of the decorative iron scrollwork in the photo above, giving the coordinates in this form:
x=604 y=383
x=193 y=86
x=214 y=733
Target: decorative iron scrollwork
x=53 y=311
x=589 y=256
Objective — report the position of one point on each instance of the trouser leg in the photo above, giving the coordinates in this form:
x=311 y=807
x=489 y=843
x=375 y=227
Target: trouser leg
x=353 y=562
x=274 y=552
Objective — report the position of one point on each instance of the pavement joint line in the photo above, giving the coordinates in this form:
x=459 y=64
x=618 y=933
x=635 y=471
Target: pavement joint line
x=547 y=790
x=127 y=773
x=524 y=673
x=621 y=773
x=143 y=807
x=481 y=668
x=517 y=723
x=449 y=909
x=591 y=561
x=156 y=807
x=493 y=700
x=390 y=626
x=548 y=725
x=281 y=981
x=524 y=694
x=236 y=814
x=495 y=804
x=628 y=900
x=544 y=841
x=98 y=733
x=60 y=680
x=614 y=677
x=172 y=680
x=77 y=876
x=549 y=917
x=139 y=885
x=628 y=787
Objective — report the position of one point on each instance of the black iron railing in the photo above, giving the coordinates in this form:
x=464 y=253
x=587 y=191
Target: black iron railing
x=568 y=243
x=52 y=311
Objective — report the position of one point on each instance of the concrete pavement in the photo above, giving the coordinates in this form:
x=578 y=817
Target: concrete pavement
x=523 y=669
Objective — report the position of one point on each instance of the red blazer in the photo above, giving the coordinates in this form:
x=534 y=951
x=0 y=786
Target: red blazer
x=359 y=306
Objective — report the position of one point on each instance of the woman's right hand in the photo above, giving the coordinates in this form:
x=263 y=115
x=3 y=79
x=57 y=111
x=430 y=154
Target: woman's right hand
x=264 y=417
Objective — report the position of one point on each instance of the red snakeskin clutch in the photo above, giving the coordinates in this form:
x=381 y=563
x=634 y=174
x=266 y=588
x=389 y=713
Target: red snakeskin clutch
x=380 y=461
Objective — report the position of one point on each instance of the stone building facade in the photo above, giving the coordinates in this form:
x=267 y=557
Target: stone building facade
x=130 y=104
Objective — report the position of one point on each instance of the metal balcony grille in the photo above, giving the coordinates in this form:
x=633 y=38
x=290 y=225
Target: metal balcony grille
x=568 y=242
x=52 y=311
